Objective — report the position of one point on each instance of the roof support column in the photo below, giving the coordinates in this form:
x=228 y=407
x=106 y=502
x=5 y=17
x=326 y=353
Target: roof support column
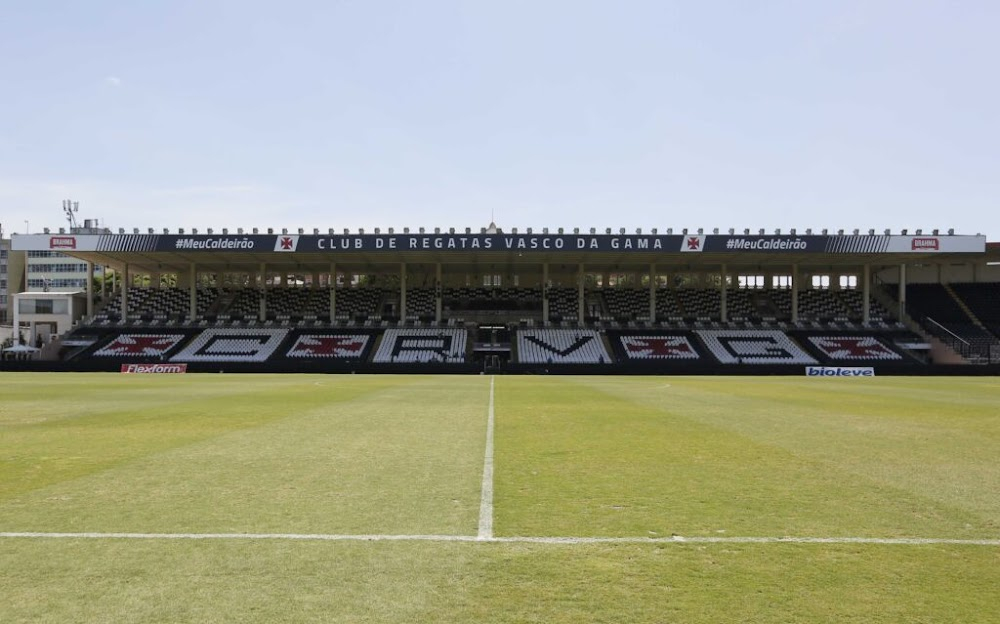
x=579 y=296
x=193 y=292
x=124 y=293
x=722 y=295
x=652 y=293
x=262 y=302
x=332 y=283
x=402 y=291
x=866 y=292
x=90 y=289
x=795 y=293
x=545 y=292
x=438 y=293
x=902 y=291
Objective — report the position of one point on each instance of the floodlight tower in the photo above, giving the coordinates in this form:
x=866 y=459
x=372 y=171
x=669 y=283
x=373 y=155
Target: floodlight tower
x=70 y=208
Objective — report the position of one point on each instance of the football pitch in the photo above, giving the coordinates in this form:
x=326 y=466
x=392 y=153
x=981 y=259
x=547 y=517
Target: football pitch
x=323 y=498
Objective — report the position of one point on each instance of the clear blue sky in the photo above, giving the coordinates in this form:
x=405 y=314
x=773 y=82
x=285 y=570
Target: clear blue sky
x=568 y=113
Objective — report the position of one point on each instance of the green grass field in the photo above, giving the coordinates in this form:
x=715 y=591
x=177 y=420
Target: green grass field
x=301 y=498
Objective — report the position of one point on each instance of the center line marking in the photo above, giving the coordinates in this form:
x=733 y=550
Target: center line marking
x=486 y=502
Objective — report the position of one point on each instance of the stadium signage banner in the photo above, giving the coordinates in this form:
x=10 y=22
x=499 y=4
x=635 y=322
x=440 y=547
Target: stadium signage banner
x=154 y=368
x=840 y=371
x=628 y=243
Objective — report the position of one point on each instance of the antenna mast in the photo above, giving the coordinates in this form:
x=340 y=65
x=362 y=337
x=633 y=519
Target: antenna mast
x=70 y=208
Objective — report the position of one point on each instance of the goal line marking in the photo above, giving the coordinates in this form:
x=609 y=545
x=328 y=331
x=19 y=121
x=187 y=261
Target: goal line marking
x=676 y=539
x=486 y=501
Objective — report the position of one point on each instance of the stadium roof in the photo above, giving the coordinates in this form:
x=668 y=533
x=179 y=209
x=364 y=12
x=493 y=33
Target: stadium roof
x=166 y=253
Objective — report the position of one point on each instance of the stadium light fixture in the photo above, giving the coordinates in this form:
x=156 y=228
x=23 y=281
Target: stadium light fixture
x=871 y=232
x=760 y=232
x=378 y=230
x=732 y=231
x=209 y=231
x=792 y=231
x=561 y=231
x=621 y=231
x=468 y=230
x=903 y=232
x=329 y=231
x=715 y=230
x=284 y=230
x=809 y=231
x=361 y=230
x=576 y=230
x=180 y=230
x=545 y=230
x=592 y=230
x=824 y=231
x=951 y=231
x=840 y=232
x=513 y=230
x=856 y=231
x=684 y=231
x=346 y=232
x=777 y=230
x=746 y=231
x=653 y=231
x=270 y=230
x=607 y=230
x=529 y=230
x=193 y=230
x=166 y=230
x=670 y=230
x=315 y=231
x=919 y=232
x=887 y=232
x=254 y=230
x=934 y=231
x=701 y=231
x=239 y=230
x=150 y=230
x=638 y=230
x=45 y=231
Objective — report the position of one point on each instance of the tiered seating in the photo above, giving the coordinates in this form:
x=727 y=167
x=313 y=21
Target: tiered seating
x=701 y=304
x=339 y=346
x=983 y=299
x=667 y=306
x=420 y=302
x=232 y=345
x=750 y=346
x=649 y=346
x=941 y=315
x=561 y=346
x=157 y=304
x=131 y=346
x=412 y=345
x=481 y=298
x=853 y=300
x=564 y=303
x=739 y=304
x=848 y=348
x=626 y=303
x=358 y=302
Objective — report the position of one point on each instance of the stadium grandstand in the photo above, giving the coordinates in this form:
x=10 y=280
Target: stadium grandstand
x=611 y=301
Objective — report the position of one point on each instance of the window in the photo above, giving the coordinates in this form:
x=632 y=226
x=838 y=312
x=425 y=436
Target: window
x=821 y=282
x=751 y=281
x=781 y=281
x=848 y=282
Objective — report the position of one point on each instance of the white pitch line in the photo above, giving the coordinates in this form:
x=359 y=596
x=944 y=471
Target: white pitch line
x=676 y=539
x=486 y=501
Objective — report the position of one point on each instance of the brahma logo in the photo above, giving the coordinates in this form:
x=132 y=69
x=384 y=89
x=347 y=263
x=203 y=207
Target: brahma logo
x=62 y=242
x=287 y=242
x=925 y=244
x=693 y=243
x=154 y=368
